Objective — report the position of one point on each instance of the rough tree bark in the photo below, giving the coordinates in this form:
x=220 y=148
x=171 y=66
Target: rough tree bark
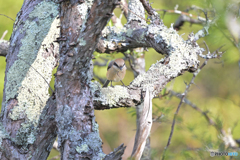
x=27 y=116
x=31 y=118
x=81 y=27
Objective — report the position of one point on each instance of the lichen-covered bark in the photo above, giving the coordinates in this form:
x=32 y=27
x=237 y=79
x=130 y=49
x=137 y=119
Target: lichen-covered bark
x=144 y=125
x=30 y=60
x=81 y=25
x=4 y=45
x=144 y=122
x=182 y=56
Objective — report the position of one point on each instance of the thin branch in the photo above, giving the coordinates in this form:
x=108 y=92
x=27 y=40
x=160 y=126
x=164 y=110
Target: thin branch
x=144 y=124
x=201 y=19
x=4 y=34
x=124 y=7
x=129 y=57
x=148 y=7
x=215 y=54
x=7 y=16
x=232 y=41
x=178 y=108
x=226 y=137
x=204 y=113
x=116 y=154
x=117 y=21
x=155 y=18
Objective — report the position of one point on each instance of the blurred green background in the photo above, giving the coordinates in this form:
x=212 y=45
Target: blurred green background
x=216 y=90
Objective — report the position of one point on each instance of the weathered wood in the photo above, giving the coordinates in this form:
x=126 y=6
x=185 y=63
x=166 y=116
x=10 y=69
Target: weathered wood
x=144 y=125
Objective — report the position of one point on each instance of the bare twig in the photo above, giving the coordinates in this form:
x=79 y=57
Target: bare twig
x=188 y=17
x=155 y=18
x=215 y=54
x=130 y=58
x=117 y=21
x=204 y=113
x=116 y=154
x=55 y=145
x=148 y=7
x=7 y=16
x=226 y=137
x=144 y=124
x=178 y=108
x=4 y=34
x=201 y=19
x=124 y=7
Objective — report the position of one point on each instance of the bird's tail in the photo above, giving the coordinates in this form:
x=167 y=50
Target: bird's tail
x=106 y=84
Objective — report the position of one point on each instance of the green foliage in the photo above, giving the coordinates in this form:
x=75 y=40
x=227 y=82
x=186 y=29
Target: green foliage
x=110 y=23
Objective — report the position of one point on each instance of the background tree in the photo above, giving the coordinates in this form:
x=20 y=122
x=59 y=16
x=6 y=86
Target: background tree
x=68 y=113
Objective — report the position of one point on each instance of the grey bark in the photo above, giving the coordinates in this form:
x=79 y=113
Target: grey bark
x=4 y=47
x=27 y=122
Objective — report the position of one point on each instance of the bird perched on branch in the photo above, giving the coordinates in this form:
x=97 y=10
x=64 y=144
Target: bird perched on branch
x=115 y=72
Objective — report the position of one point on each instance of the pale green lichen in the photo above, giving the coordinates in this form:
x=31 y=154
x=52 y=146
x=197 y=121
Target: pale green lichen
x=91 y=142
x=114 y=36
x=25 y=135
x=94 y=126
x=23 y=81
x=82 y=9
x=138 y=11
x=31 y=138
x=4 y=41
x=83 y=148
x=129 y=32
x=3 y=134
x=26 y=84
x=94 y=142
x=82 y=42
x=110 y=95
x=182 y=54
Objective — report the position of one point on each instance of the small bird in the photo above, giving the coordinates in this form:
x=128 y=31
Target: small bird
x=115 y=72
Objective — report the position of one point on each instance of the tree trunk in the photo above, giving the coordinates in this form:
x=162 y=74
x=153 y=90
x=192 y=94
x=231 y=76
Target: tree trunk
x=81 y=27
x=30 y=60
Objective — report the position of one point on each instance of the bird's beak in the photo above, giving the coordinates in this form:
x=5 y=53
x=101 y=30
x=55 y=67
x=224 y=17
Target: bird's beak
x=121 y=68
